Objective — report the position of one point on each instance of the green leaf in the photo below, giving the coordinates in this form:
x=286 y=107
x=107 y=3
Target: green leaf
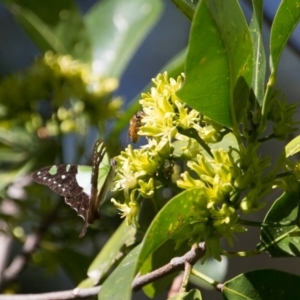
x=118 y=284
x=53 y=25
x=280 y=241
x=111 y=252
x=262 y=285
x=187 y=7
x=116 y=30
x=285 y=21
x=219 y=61
x=157 y=259
x=190 y=295
x=292 y=147
x=259 y=68
x=172 y=220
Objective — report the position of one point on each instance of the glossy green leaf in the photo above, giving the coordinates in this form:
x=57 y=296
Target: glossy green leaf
x=112 y=251
x=190 y=295
x=262 y=285
x=53 y=25
x=219 y=61
x=285 y=21
x=172 y=221
x=259 y=67
x=157 y=259
x=292 y=147
x=187 y=7
x=116 y=29
x=118 y=284
x=280 y=241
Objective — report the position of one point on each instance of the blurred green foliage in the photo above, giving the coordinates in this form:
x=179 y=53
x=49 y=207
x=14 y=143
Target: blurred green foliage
x=201 y=169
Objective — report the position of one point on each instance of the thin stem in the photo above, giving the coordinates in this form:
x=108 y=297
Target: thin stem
x=176 y=264
x=186 y=274
x=264 y=246
x=266 y=138
x=78 y=293
x=265 y=107
x=241 y=253
x=192 y=133
x=285 y=174
x=268 y=224
x=205 y=278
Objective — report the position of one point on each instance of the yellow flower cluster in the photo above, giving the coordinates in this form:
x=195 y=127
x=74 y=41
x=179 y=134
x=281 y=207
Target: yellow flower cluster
x=58 y=94
x=232 y=179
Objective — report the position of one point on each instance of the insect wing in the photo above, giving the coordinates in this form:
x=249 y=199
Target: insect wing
x=60 y=178
x=81 y=203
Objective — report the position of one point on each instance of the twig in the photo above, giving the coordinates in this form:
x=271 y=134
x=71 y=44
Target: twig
x=177 y=263
x=186 y=276
x=78 y=293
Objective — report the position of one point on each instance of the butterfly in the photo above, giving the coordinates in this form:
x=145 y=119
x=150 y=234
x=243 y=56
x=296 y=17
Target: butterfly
x=134 y=126
x=84 y=187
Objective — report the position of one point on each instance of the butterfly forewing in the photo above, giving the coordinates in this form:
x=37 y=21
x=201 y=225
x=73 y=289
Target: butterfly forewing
x=60 y=178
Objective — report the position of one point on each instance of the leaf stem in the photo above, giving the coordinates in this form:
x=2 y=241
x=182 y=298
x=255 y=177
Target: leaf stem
x=205 y=278
x=267 y=224
x=241 y=253
x=192 y=133
x=265 y=106
x=266 y=138
x=186 y=275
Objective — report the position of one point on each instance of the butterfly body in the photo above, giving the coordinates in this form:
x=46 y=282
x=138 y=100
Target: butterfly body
x=84 y=187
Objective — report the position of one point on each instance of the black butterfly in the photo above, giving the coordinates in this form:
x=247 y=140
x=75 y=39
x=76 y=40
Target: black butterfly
x=84 y=187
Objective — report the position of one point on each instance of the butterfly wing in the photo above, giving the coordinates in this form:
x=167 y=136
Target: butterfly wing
x=72 y=182
x=60 y=178
x=102 y=175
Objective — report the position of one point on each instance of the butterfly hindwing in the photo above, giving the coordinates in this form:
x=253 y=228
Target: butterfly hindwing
x=81 y=204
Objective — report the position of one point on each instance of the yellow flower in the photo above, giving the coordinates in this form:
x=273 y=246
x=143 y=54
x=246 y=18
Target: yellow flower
x=146 y=188
x=129 y=211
